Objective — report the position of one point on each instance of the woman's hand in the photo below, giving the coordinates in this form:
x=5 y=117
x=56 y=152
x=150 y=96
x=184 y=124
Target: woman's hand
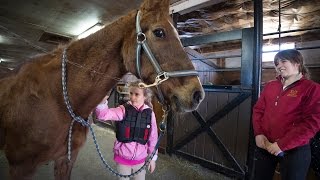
x=274 y=149
x=152 y=166
x=262 y=141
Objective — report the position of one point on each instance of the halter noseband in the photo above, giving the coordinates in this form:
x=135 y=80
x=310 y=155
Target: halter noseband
x=161 y=75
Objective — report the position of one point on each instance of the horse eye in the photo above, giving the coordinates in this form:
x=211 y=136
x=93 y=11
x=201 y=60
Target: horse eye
x=159 y=33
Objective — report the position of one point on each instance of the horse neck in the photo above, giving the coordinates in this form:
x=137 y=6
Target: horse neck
x=100 y=52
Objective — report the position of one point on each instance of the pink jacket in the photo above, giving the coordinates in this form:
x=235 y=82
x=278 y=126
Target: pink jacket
x=289 y=117
x=129 y=153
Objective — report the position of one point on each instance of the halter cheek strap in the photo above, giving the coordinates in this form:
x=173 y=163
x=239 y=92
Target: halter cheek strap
x=161 y=75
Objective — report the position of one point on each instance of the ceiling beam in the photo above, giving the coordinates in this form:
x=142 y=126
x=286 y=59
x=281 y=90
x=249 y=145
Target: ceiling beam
x=186 y=6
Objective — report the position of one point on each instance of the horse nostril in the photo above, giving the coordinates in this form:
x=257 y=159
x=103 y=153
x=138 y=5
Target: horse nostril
x=197 y=96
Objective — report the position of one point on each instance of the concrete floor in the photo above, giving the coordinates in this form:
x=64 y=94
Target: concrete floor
x=89 y=166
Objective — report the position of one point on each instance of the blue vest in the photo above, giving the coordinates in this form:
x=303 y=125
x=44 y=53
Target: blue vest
x=135 y=126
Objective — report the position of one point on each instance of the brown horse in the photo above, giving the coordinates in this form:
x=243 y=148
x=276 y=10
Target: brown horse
x=34 y=120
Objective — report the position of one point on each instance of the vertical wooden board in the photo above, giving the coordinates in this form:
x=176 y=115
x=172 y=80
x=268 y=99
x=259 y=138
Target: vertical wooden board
x=231 y=126
x=215 y=78
x=219 y=127
x=192 y=126
x=267 y=75
x=202 y=109
x=200 y=145
x=212 y=108
x=315 y=74
x=212 y=105
x=184 y=148
x=208 y=100
x=201 y=67
x=200 y=140
x=222 y=100
x=209 y=147
x=226 y=127
x=218 y=157
x=186 y=123
x=191 y=147
x=209 y=107
x=179 y=128
x=201 y=77
x=234 y=119
x=179 y=125
x=243 y=131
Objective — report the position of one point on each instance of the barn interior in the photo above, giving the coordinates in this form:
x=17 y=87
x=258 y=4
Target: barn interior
x=33 y=27
x=228 y=41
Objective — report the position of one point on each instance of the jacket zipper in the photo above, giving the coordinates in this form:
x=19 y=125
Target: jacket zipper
x=276 y=103
x=283 y=90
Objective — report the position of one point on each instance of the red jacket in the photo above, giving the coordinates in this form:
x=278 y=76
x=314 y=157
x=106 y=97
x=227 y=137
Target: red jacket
x=289 y=117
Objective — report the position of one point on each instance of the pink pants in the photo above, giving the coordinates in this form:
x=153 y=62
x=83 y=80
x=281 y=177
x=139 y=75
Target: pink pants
x=127 y=169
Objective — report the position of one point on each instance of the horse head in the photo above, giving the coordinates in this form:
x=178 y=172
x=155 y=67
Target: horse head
x=153 y=50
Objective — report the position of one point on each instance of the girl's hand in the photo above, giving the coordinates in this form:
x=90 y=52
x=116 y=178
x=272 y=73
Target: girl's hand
x=152 y=166
x=105 y=99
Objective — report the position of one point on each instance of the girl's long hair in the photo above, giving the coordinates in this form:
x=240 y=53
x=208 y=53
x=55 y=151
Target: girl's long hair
x=295 y=57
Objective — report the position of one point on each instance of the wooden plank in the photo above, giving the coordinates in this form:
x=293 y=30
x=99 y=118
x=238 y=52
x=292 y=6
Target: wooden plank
x=211 y=108
x=242 y=138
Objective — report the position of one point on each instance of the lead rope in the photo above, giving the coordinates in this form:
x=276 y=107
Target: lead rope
x=86 y=123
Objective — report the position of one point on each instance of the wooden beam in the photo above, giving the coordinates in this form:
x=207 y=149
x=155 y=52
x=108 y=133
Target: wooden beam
x=200 y=57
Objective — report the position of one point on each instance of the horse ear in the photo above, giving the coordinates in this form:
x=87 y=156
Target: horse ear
x=158 y=6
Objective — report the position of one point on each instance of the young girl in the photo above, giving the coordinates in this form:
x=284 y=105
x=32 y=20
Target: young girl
x=136 y=131
x=285 y=118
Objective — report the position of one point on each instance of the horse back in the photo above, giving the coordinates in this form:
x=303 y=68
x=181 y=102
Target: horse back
x=23 y=98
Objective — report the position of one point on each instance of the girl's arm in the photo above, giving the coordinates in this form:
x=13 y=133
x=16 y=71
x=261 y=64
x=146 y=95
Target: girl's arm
x=105 y=113
x=153 y=138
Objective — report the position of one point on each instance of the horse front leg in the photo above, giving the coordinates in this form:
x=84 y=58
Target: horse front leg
x=63 y=167
x=23 y=171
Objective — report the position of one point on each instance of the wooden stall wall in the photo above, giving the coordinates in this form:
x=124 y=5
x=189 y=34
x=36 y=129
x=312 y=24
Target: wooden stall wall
x=216 y=135
x=231 y=130
x=218 y=78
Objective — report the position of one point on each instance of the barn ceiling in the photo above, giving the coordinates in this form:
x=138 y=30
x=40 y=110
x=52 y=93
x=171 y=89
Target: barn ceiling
x=31 y=27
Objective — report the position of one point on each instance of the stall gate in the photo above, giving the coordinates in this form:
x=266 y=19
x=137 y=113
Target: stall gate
x=217 y=134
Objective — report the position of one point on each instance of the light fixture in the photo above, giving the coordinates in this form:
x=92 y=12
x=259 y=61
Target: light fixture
x=91 y=30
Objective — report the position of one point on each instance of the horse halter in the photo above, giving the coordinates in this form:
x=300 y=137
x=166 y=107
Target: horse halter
x=161 y=75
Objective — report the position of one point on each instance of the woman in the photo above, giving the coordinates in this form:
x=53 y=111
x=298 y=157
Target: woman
x=285 y=118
